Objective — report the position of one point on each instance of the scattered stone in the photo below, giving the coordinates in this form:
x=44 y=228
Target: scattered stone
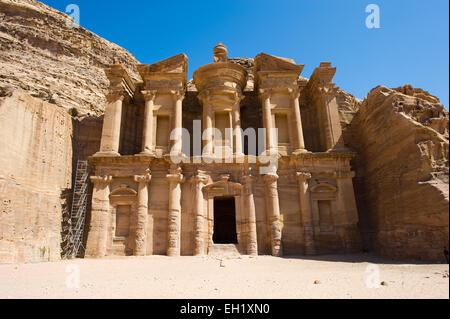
x=317 y=282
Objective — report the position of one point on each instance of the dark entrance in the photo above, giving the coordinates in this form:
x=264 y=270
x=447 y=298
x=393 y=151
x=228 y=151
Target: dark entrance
x=224 y=221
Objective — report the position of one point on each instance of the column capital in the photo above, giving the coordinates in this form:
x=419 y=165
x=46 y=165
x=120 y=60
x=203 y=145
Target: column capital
x=328 y=90
x=149 y=95
x=114 y=95
x=204 y=96
x=294 y=93
x=146 y=178
x=238 y=97
x=344 y=174
x=302 y=176
x=247 y=179
x=269 y=178
x=175 y=176
x=265 y=93
x=101 y=179
x=200 y=177
x=177 y=95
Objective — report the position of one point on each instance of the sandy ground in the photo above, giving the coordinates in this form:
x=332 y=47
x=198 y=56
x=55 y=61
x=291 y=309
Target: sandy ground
x=207 y=277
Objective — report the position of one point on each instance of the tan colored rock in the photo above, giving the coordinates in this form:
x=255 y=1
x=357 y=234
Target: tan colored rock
x=60 y=65
x=35 y=175
x=402 y=174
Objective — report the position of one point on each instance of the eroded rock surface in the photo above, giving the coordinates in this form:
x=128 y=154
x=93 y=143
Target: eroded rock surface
x=41 y=55
x=401 y=136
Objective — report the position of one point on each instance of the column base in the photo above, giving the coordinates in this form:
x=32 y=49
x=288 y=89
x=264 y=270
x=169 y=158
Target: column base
x=180 y=157
x=339 y=150
x=146 y=153
x=300 y=151
x=107 y=154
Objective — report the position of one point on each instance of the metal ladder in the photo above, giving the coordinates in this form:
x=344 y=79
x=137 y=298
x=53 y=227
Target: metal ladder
x=78 y=212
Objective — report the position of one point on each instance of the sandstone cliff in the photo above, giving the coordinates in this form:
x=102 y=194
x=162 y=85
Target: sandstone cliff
x=61 y=65
x=401 y=137
x=48 y=73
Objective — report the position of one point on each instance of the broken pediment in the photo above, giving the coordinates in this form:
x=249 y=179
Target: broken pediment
x=176 y=64
x=270 y=63
x=123 y=190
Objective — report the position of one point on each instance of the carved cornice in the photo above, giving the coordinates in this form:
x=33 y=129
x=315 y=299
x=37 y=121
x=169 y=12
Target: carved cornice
x=120 y=80
x=101 y=179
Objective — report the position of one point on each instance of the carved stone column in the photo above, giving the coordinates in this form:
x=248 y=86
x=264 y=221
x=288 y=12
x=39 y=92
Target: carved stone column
x=273 y=210
x=111 y=125
x=347 y=210
x=98 y=228
x=199 y=182
x=267 y=118
x=297 y=119
x=333 y=130
x=175 y=178
x=142 y=213
x=346 y=197
x=306 y=212
x=252 y=239
x=147 y=139
x=207 y=123
x=178 y=97
x=236 y=115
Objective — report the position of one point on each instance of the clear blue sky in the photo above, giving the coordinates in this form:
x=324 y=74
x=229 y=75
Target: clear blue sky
x=412 y=45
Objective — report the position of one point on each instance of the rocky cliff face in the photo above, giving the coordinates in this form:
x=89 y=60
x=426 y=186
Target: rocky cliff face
x=51 y=107
x=61 y=65
x=401 y=137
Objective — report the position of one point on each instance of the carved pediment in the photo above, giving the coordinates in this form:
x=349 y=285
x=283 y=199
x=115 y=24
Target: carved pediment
x=323 y=188
x=175 y=64
x=224 y=187
x=266 y=62
x=123 y=191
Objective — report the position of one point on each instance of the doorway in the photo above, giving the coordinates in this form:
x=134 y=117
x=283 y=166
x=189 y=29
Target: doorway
x=225 y=221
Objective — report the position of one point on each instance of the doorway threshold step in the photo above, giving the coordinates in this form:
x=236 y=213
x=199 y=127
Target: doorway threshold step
x=223 y=250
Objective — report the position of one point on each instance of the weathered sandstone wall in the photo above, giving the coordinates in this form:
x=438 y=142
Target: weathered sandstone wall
x=62 y=65
x=35 y=171
x=401 y=137
x=51 y=112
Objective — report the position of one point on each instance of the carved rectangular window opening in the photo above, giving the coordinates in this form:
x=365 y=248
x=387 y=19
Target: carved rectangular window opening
x=281 y=123
x=123 y=220
x=325 y=216
x=162 y=130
